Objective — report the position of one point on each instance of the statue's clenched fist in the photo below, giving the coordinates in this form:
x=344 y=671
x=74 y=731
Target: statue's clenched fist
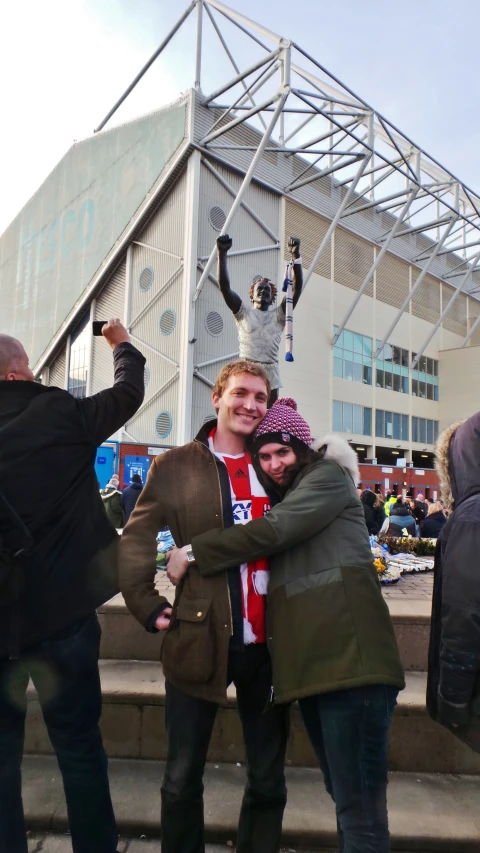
x=294 y=246
x=224 y=243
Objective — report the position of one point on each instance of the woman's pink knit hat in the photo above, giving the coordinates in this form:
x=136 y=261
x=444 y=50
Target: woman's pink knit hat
x=282 y=425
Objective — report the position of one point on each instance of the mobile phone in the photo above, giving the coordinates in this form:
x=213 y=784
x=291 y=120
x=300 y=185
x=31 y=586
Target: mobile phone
x=97 y=327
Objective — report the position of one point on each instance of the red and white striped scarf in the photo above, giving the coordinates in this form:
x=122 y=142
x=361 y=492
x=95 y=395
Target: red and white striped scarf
x=249 y=501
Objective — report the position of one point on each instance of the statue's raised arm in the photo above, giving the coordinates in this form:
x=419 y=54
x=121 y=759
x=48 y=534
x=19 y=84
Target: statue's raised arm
x=294 y=248
x=224 y=243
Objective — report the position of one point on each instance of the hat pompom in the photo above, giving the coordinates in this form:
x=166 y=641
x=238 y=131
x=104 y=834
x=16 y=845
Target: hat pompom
x=287 y=401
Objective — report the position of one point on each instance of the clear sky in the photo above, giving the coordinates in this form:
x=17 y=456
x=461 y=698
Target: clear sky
x=63 y=63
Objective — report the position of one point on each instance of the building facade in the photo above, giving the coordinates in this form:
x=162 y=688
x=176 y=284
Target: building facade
x=125 y=226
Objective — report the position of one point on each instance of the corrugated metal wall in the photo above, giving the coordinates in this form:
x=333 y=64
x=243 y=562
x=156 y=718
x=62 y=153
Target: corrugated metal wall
x=57 y=370
x=109 y=304
x=155 y=317
x=311 y=228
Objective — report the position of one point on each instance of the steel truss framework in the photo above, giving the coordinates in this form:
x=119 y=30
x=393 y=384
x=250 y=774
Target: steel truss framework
x=301 y=109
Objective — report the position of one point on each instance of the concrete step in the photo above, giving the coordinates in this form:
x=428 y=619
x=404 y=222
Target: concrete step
x=133 y=725
x=427 y=812
x=124 y=639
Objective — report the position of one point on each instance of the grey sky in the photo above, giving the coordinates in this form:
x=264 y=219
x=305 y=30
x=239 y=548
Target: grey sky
x=63 y=65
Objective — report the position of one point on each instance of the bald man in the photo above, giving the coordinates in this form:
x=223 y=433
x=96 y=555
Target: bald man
x=58 y=563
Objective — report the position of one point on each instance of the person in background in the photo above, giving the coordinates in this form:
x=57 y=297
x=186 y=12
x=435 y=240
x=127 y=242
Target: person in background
x=130 y=495
x=51 y=511
x=453 y=686
x=434 y=521
x=374 y=512
x=113 y=502
x=330 y=633
x=390 y=501
x=401 y=519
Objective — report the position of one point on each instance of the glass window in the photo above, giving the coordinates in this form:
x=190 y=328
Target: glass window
x=347 y=417
x=429 y=391
x=404 y=386
x=430 y=366
x=397 y=425
x=435 y=431
x=435 y=392
x=388 y=425
x=405 y=359
x=388 y=380
x=351 y=353
x=414 y=429
x=380 y=379
x=415 y=387
x=422 y=392
x=422 y=430
x=429 y=432
x=435 y=367
x=367 y=421
x=387 y=353
x=422 y=363
x=367 y=346
x=396 y=382
x=358 y=420
x=337 y=416
x=379 y=423
x=79 y=358
x=397 y=355
x=404 y=427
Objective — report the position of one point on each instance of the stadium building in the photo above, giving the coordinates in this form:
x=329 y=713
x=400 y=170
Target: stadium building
x=387 y=331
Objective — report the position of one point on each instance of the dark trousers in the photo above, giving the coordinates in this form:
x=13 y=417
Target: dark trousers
x=65 y=673
x=349 y=733
x=189 y=724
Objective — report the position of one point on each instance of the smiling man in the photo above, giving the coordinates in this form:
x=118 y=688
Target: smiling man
x=215 y=632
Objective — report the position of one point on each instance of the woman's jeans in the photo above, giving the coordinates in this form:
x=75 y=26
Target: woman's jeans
x=64 y=670
x=349 y=732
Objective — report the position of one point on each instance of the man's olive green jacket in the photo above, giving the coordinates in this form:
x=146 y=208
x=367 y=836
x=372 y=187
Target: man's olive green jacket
x=328 y=626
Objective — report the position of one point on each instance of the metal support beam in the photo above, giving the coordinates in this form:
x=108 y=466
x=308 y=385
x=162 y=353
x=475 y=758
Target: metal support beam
x=241 y=76
x=335 y=220
x=156 y=351
x=245 y=184
x=245 y=206
x=227 y=51
x=412 y=292
x=445 y=311
x=146 y=66
x=335 y=168
x=198 y=50
x=275 y=246
x=231 y=124
x=366 y=280
x=217 y=360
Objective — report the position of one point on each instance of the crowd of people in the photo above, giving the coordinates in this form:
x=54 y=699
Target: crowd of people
x=276 y=592
x=398 y=516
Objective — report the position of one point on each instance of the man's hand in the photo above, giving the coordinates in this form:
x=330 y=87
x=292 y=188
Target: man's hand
x=224 y=243
x=163 y=621
x=177 y=564
x=294 y=247
x=115 y=333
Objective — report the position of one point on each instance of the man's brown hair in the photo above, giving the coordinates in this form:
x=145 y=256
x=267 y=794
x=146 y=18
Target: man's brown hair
x=234 y=369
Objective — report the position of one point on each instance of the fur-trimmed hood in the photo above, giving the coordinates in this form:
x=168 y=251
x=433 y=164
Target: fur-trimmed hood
x=339 y=451
x=458 y=461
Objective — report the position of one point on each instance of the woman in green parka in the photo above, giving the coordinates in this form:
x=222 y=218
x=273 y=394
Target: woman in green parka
x=329 y=630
